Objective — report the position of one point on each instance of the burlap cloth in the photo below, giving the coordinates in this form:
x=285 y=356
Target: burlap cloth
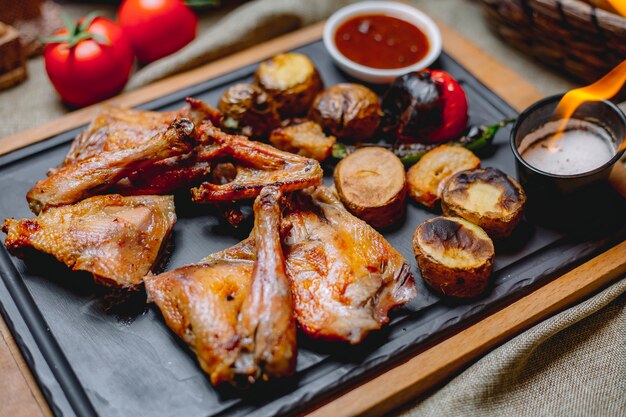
x=573 y=364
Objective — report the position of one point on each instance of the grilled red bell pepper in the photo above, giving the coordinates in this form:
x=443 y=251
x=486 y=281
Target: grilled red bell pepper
x=427 y=106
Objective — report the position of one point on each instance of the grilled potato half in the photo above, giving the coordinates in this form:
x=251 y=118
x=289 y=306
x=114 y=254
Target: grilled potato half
x=249 y=111
x=371 y=184
x=455 y=257
x=426 y=177
x=349 y=111
x=306 y=139
x=486 y=197
x=291 y=80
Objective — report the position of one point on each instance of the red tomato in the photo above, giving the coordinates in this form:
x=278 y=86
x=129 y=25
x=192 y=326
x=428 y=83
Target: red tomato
x=92 y=69
x=157 y=28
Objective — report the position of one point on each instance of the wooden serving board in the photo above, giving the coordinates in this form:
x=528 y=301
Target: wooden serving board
x=20 y=394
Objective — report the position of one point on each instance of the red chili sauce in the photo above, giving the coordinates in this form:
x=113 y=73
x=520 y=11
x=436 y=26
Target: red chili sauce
x=380 y=41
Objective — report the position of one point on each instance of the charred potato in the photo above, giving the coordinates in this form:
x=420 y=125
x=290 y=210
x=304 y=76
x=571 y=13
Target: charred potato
x=349 y=111
x=455 y=257
x=371 y=183
x=248 y=110
x=487 y=197
x=291 y=80
x=426 y=177
x=306 y=139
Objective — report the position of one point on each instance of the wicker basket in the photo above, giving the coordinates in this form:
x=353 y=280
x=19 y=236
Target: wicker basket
x=570 y=35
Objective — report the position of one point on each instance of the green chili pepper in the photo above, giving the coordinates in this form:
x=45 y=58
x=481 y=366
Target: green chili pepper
x=476 y=137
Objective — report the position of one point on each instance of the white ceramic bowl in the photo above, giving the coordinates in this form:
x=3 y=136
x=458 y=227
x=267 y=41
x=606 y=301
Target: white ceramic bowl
x=398 y=10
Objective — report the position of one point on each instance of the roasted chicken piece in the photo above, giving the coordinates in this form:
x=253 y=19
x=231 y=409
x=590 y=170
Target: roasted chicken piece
x=96 y=174
x=257 y=165
x=234 y=308
x=306 y=139
x=118 y=239
x=116 y=128
x=345 y=277
x=165 y=177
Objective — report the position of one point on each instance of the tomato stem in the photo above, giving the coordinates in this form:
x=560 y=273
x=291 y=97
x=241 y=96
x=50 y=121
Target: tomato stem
x=78 y=31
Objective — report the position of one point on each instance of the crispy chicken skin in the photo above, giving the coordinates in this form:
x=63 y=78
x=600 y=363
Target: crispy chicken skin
x=165 y=177
x=234 y=308
x=134 y=152
x=116 y=128
x=345 y=277
x=306 y=139
x=118 y=239
x=97 y=173
x=257 y=166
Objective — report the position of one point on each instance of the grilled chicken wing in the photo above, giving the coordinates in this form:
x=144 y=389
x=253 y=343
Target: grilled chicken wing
x=116 y=128
x=97 y=173
x=118 y=239
x=234 y=308
x=345 y=277
x=165 y=177
x=257 y=165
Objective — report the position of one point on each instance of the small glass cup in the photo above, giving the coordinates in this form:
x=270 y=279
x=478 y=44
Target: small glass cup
x=563 y=201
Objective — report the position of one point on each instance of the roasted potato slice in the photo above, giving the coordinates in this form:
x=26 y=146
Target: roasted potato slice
x=371 y=184
x=306 y=139
x=455 y=257
x=291 y=80
x=487 y=197
x=349 y=111
x=425 y=178
x=249 y=111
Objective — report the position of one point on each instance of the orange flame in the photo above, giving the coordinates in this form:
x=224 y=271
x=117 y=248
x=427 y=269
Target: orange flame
x=619 y=6
x=603 y=89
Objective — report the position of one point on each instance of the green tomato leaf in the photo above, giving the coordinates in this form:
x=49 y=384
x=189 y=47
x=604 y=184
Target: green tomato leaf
x=55 y=39
x=88 y=20
x=74 y=40
x=100 y=39
x=68 y=23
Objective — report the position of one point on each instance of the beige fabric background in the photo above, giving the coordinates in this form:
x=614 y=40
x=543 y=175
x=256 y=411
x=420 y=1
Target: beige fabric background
x=573 y=364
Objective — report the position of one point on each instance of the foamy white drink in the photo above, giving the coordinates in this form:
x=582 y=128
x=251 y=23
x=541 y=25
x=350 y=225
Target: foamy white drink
x=582 y=147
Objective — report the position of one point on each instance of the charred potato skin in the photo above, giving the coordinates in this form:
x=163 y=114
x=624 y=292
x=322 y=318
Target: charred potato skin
x=292 y=97
x=253 y=110
x=385 y=213
x=457 y=282
x=421 y=175
x=348 y=111
x=499 y=224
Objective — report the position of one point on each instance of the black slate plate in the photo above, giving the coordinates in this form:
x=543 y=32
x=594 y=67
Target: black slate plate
x=95 y=355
